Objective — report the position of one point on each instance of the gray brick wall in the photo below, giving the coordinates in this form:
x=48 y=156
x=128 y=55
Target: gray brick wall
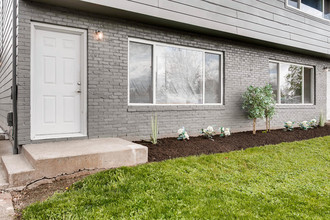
x=108 y=112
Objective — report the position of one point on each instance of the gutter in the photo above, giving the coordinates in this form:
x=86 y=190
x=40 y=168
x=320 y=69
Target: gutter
x=14 y=86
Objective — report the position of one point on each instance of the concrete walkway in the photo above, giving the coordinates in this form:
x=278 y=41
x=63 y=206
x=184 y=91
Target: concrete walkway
x=5 y=149
x=6 y=206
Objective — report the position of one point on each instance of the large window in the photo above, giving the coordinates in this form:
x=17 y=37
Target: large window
x=292 y=83
x=167 y=74
x=318 y=8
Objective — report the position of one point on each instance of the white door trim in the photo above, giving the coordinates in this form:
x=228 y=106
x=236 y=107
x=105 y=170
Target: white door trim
x=83 y=35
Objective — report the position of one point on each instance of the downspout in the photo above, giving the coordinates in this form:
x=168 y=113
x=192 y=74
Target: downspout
x=14 y=87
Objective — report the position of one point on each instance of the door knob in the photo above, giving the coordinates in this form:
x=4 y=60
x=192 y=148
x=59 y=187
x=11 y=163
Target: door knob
x=79 y=84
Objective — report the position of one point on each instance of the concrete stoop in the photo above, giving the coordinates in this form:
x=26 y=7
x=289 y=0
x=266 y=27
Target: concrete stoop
x=48 y=160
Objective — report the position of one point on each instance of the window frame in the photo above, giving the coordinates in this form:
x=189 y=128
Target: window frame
x=298 y=9
x=278 y=100
x=154 y=44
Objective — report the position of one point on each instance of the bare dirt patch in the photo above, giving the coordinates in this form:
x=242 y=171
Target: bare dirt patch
x=25 y=197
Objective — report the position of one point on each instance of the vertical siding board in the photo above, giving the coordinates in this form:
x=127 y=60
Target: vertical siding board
x=147 y=2
x=6 y=68
x=237 y=22
x=300 y=25
x=204 y=5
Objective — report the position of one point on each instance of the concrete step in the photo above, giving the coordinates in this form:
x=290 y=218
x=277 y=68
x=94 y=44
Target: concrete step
x=5 y=149
x=18 y=170
x=48 y=160
x=3 y=178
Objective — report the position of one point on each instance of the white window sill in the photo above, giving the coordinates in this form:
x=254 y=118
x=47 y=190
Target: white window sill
x=161 y=108
x=295 y=106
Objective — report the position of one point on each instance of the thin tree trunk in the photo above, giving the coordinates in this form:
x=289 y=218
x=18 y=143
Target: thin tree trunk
x=267 y=124
x=254 y=126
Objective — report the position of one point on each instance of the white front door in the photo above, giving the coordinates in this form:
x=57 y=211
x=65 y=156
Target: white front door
x=57 y=83
x=328 y=95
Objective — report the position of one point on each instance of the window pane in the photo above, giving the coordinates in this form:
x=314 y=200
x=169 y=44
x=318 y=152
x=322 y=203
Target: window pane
x=291 y=84
x=327 y=9
x=179 y=76
x=273 y=74
x=140 y=73
x=212 y=78
x=308 y=85
x=293 y=3
x=312 y=7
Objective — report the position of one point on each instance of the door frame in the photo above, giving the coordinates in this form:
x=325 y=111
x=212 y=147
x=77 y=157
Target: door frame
x=83 y=62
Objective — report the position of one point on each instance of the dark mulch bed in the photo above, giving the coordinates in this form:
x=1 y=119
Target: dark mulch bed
x=168 y=148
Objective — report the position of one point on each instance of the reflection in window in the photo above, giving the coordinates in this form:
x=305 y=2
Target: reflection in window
x=291 y=84
x=308 y=85
x=168 y=74
x=312 y=7
x=327 y=9
x=294 y=82
x=179 y=76
x=293 y=3
x=318 y=8
x=212 y=78
x=140 y=73
x=273 y=77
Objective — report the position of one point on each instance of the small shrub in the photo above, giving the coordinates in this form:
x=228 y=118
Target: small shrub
x=183 y=134
x=208 y=132
x=322 y=120
x=269 y=105
x=224 y=132
x=313 y=123
x=154 y=130
x=288 y=126
x=304 y=125
x=254 y=104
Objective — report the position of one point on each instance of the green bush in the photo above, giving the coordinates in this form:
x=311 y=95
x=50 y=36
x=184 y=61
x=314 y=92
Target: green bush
x=259 y=102
x=269 y=105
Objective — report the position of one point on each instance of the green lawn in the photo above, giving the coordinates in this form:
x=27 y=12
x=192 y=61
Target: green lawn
x=289 y=180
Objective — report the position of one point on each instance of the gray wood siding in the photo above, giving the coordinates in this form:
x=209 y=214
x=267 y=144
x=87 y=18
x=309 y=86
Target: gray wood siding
x=265 y=20
x=6 y=68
